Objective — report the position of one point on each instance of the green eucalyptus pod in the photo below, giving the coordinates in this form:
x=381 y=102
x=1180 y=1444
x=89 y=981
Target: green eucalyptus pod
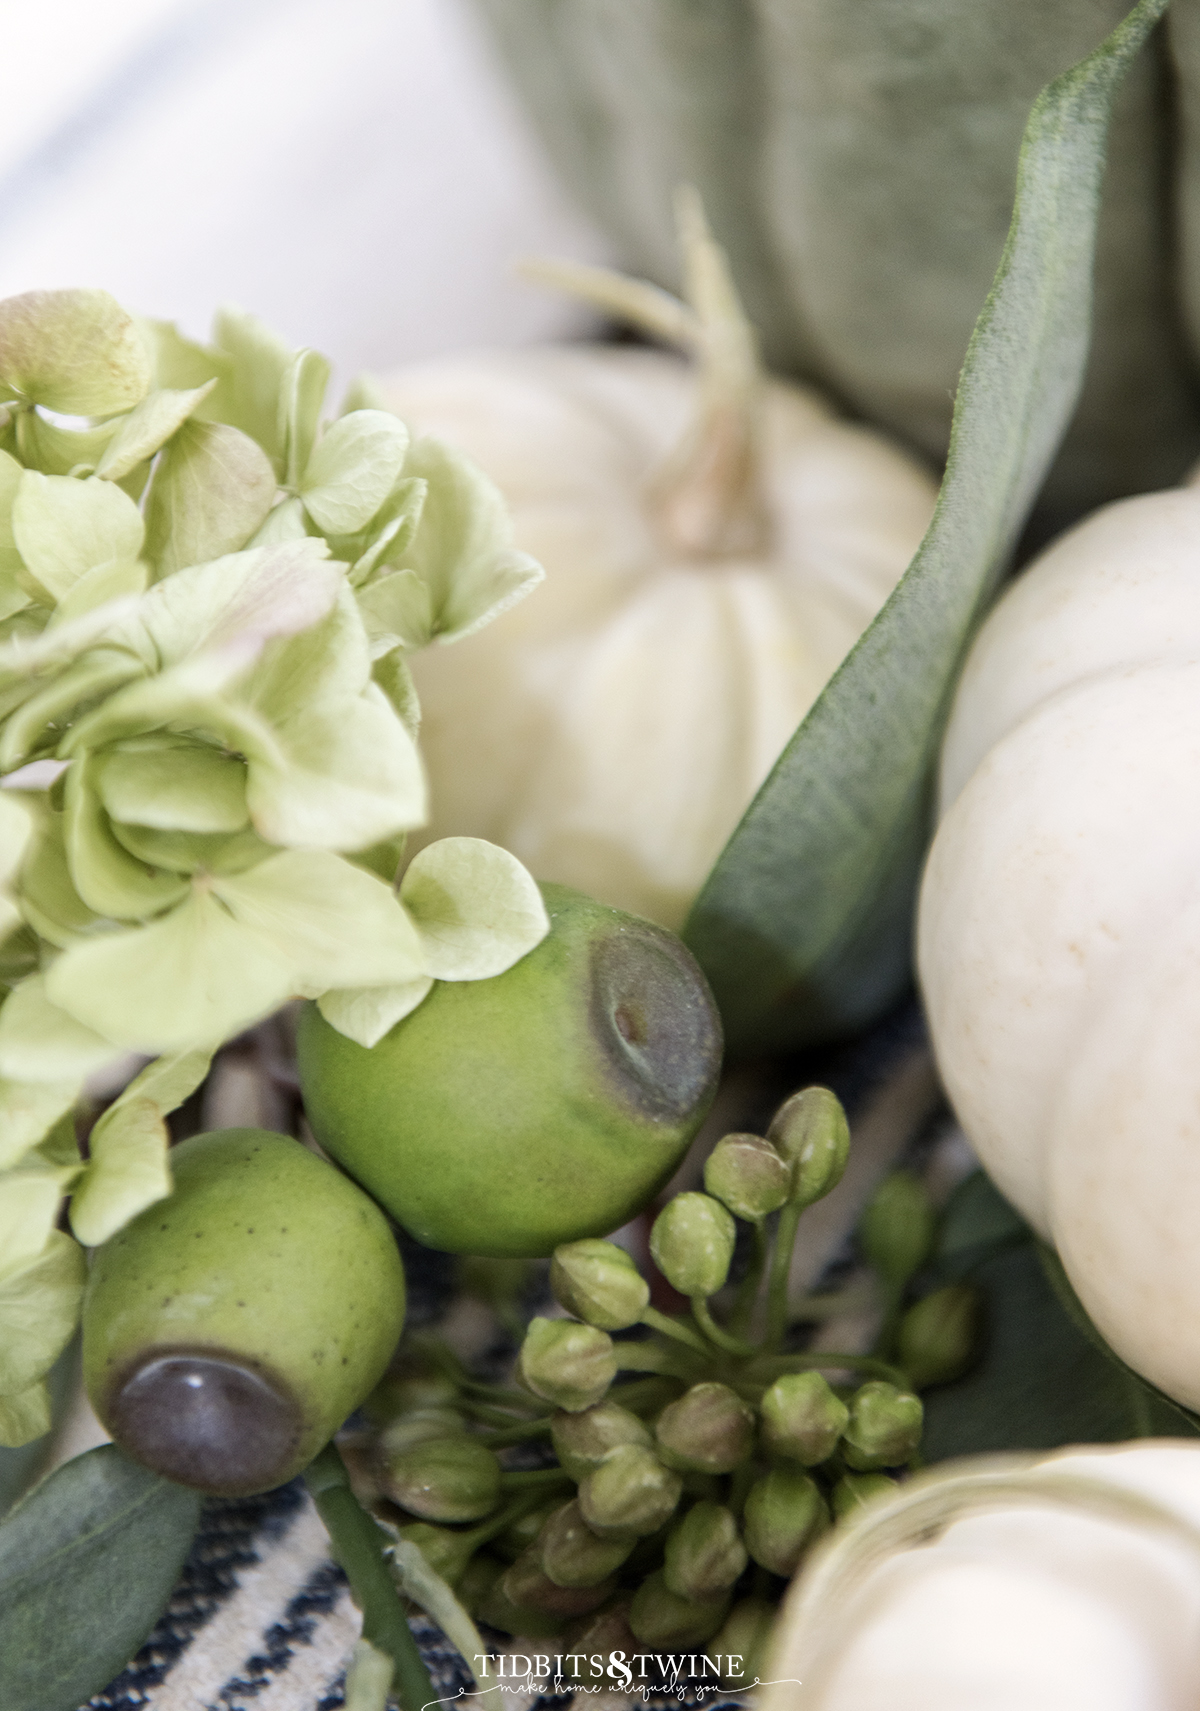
x=447 y=1478
x=573 y=1555
x=229 y=1330
x=802 y=1419
x=710 y=1429
x=582 y=1440
x=567 y=1364
x=858 y=163
x=660 y=1617
x=599 y=1283
x=784 y=1514
x=630 y=1492
x=884 y=1428
x=704 y=1553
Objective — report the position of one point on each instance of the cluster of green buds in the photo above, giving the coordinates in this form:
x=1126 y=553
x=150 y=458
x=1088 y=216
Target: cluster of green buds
x=208 y=596
x=698 y=1460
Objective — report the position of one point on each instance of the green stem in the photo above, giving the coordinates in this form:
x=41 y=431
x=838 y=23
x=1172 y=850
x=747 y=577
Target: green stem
x=672 y=1328
x=653 y=1357
x=514 y=1434
x=830 y=1359
x=358 y=1544
x=747 y=1290
x=490 y=1416
x=723 y=1339
x=534 y=1477
x=781 y=1265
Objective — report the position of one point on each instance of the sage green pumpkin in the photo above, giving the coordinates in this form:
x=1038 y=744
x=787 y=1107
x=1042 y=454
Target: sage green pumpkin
x=230 y=1329
x=857 y=159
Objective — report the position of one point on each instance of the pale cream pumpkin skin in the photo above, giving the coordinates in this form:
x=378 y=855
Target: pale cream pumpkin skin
x=1059 y=926
x=611 y=730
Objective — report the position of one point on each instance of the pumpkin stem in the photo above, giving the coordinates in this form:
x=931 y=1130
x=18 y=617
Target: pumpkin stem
x=708 y=495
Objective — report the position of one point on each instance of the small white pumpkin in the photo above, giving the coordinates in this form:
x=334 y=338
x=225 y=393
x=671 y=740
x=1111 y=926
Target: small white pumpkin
x=1067 y=1583
x=713 y=547
x=1059 y=931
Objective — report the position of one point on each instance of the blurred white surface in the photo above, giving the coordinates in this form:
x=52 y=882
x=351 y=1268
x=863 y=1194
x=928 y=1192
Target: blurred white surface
x=357 y=174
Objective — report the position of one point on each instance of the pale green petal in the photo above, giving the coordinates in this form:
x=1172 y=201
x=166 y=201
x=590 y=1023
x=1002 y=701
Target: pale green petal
x=287 y=522
x=353 y=469
x=388 y=536
x=330 y=661
x=29 y=1203
x=51 y=903
x=39 y=1310
x=364 y=393
x=106 y=876
x=253 y=595
x=178 y=362
x=190 y=978
x=463 y=549
x=55 y=450
x=395 y=680
x=37 y=725
x=478 y=911
x=191 y=852
x=73 y=351
x=147 y=429
x=300 y=400
x=168 y=1081
x=212 y=488
x=64 y=528
x=338 y=925
x=10 y=558
x=25 y=656
x=351 y=775
x=41 y=1042
x=398 y=612
x=25 y=1417
x=188 y=700
x=28 y=1111
x=16 y=830
x=127 y=1171
x=249 y=395
x=175 y=785
x=366 y=1013
x=99 y=587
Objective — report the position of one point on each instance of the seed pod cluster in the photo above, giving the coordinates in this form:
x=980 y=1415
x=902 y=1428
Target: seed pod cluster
x=679 y=1500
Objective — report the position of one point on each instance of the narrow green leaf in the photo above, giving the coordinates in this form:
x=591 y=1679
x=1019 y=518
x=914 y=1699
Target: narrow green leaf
x=39 y=1310
x=211 y=490
x=87 y=1562
x=127 y=1171
x=352 y=469
x=477 y=910
x=804 y=924
x=147 y=429
x=73 y=351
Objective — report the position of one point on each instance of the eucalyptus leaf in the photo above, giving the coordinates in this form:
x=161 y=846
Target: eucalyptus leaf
x=463 y=548
x=352 y=469
x=211 y=490
x=128 y=1170
x=77 y=352
x=41 y=1042
x=804 y=924
x=39 y=1310
x=64 y=528
x=366 y=1013
x=87 y=1563
x=147 y=428
x=477 y=910
x=24 y=1418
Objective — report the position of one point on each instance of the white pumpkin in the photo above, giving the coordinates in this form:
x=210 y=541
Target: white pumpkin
x=612 y=729
x=1059 y=929
x=1067 y=1584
